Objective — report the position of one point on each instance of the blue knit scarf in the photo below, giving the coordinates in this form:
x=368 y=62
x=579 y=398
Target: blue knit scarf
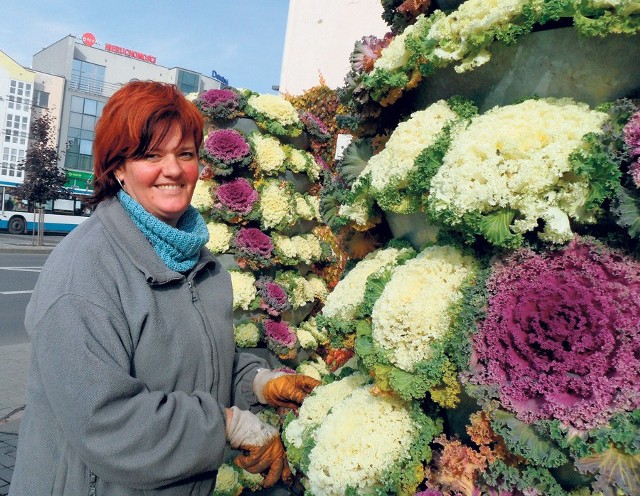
x=179 y=248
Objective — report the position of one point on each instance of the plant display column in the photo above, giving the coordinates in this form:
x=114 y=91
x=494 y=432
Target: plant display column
x=496 y=336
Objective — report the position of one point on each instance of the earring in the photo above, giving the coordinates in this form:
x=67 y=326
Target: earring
x=119 y=182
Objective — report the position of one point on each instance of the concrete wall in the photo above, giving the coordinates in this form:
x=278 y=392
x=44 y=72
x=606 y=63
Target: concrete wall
x=320 y=37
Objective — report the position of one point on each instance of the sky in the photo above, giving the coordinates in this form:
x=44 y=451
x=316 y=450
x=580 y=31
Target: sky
x=242 y=40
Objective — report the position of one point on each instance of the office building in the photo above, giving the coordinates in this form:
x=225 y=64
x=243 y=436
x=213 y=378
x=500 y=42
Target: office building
x=84 y=72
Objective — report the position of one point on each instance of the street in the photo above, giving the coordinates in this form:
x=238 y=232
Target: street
x=18 y=275
x=19 y=272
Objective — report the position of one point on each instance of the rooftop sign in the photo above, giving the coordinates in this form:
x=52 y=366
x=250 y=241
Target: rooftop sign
x=129 y=53
x=90 y=40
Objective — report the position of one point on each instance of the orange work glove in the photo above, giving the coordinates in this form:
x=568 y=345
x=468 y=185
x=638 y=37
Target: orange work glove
x=281 y=389
x=263 y=449
x=269 y=456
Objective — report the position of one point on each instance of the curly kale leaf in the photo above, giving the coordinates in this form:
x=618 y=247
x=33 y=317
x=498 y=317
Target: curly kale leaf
x=338 y=330
x=614 y=469
x=524 y=440
x=496 y=228
x=530 y=480
x=626 y=208
x=597 y=22
x=595 y=163
x=374 y=287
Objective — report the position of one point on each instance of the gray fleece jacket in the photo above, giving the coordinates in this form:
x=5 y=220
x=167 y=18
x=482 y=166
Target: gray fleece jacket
x=132 y=366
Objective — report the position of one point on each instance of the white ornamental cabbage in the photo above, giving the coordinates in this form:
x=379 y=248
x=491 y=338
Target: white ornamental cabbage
x=413 y=311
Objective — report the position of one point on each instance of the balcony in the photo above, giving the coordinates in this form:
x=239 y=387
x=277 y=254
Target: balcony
x=92 y=86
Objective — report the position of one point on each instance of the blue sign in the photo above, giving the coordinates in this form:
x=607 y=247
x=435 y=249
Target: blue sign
x=220 y=78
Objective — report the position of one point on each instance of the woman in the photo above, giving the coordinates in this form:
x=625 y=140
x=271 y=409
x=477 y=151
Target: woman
x=135 y=385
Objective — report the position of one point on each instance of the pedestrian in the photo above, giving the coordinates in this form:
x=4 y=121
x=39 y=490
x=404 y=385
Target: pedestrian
x=135 y=385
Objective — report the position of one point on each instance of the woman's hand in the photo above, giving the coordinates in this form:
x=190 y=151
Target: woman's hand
x=261 y=444
x=282 y=389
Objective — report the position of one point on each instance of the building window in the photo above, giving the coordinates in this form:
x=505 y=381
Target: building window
x=87 y=77
x=41 y=99
x=12 y=162
x=82 y=122
x=188 y=82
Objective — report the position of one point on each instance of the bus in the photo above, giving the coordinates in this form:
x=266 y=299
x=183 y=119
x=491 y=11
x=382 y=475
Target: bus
x=60 y=216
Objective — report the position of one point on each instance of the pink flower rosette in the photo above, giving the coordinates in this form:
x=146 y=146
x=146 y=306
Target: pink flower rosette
x=253 y=248
x=273 y=298
x=561 y=335
x=280 y=338
x=226 y=103
x=234 y=201
x=314 y=126
x=224 y=150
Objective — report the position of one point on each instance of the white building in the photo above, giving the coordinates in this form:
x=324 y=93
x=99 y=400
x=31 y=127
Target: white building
x=320 y=37
x=23 y=94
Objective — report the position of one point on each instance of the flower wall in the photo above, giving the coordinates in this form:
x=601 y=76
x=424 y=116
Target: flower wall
x=484 y=335
x=258 y=191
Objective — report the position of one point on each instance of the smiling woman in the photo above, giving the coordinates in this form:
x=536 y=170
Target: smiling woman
x=136 y=384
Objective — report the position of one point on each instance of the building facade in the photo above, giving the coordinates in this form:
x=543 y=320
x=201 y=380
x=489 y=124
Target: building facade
x=92 y=72
x=24 y=94
x=320 y=37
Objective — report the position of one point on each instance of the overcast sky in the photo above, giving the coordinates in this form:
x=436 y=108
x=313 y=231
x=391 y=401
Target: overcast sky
x=242 y=40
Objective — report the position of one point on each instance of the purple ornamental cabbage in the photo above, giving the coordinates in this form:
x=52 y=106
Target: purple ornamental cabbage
x=273 y=298
x=632 y=139
x=561 y=337
x=219 y=103
x=252 y=243
x=280 y=337
x=314 y=126
x=237 y=196
x=227 y=148
x=367 y=51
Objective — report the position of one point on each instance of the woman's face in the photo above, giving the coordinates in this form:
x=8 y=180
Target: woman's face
x=163 y=181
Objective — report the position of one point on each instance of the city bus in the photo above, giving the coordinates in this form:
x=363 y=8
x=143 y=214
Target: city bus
x=60 y=216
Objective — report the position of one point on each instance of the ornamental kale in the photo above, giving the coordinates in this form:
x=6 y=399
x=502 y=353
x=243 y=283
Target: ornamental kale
x=254 y=245
x=281 y=339
x=221 y=103
x=225 y=149
x=234 y=200
x=273 y=297
x=561 y=335
x=314 y=126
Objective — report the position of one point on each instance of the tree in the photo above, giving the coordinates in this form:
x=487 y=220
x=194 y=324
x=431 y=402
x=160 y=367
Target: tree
x=43 y=178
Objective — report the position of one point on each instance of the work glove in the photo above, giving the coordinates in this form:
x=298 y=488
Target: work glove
x=282 y=389
x=261 y=444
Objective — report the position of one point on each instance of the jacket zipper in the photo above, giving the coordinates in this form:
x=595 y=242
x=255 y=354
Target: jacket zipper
x=205 y=323
x=93 y=479
x=194 y=296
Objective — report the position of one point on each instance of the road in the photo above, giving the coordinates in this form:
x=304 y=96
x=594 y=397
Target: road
x=18 y=275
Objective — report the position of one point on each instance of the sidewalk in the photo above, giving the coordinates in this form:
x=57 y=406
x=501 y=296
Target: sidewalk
x=25 y=247
x=14 y=366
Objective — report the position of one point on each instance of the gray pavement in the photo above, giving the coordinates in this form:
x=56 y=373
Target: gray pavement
x=14 y=365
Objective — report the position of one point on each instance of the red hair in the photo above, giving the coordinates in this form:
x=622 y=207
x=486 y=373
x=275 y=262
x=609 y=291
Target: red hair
x=135 y=120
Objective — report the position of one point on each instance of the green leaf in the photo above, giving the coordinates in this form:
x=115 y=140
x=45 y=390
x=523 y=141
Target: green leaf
x=354 y=159
x=374 y=287
x=627 y=211
x=496 y=227
x=614 y=469
x=525 y=441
